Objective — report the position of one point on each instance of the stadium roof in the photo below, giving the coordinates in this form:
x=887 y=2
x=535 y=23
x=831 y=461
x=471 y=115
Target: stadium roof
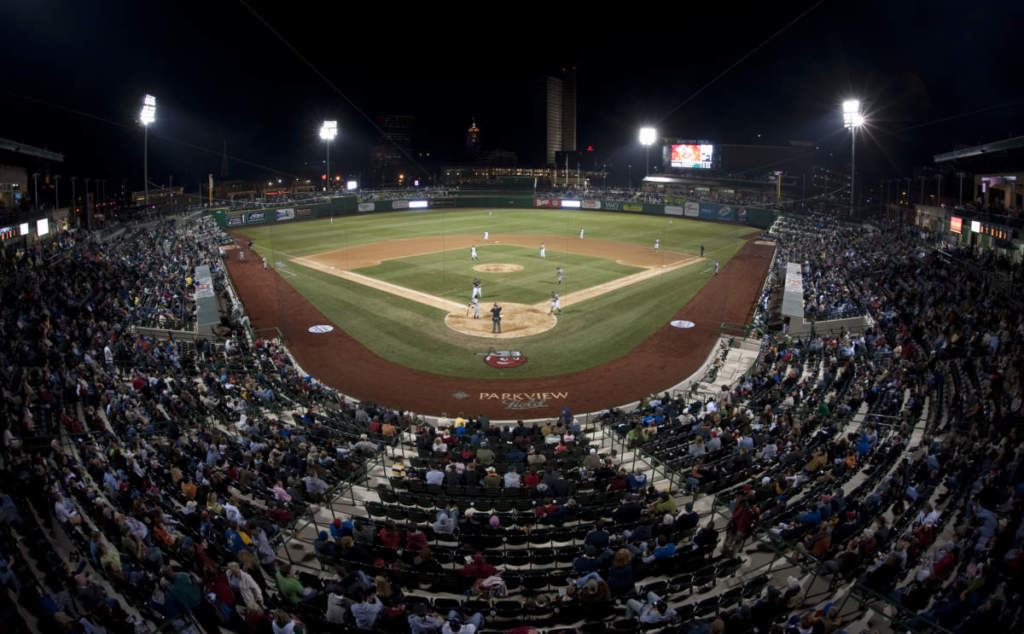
x=30 y=150
x=1014 y=143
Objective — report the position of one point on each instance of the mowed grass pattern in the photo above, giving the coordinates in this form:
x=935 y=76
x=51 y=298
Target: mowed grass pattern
x=450 y=274
x=588 y=334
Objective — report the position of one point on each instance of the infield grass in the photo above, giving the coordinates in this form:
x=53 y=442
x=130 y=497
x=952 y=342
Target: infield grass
x=450 y=274
x=588 y=334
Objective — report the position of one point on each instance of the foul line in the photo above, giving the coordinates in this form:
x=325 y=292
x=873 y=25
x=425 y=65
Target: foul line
x=449 y=306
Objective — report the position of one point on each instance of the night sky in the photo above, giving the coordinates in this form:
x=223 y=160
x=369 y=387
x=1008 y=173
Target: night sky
x=76 y=72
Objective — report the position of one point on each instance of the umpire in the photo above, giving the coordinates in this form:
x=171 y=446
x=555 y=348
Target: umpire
x=496 y=318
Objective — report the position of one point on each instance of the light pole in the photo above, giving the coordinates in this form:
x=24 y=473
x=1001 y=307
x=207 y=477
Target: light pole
x=629 y=173
x=146 y=117
x=328 y=130
x=647 y=138
x=35 y=196
x=852 y=119
x=56 y=192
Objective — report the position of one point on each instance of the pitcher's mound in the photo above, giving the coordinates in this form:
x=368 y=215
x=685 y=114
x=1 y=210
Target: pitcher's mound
x=497 y=267
x=517 y=320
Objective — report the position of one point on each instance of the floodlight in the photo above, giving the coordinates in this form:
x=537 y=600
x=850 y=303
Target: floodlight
x=148 y=113
x=647 y=136
x=329 y=130
x=852 y=117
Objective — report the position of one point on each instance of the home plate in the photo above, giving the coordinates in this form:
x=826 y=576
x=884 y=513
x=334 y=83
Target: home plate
x=321 y=329
x=682 y=323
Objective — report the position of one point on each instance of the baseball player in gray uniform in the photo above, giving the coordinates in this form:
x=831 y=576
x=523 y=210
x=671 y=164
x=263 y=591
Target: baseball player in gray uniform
x=558 y=275
x=472 y=253
x=554 y=304
x=477 y=292
x=476 y=308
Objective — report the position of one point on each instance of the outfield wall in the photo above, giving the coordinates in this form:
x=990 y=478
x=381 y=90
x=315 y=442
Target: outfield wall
x=349 y=205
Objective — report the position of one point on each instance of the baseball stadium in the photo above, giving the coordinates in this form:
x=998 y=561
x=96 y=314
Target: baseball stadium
x=429 y=325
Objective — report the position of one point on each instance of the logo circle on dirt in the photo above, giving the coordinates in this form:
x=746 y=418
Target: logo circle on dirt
x=503 y=359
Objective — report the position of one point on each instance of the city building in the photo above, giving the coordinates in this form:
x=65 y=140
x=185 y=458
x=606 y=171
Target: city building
x=560 y=110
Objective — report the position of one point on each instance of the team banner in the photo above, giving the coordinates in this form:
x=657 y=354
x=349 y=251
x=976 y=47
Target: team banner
x=548 y=203
x=255 y=217
x=366 y=207
x=673 y=210
x=632 y=207
x=285 y=214
x=399 y=204
x=235 y=220
x=591 y=204
x=691 y=209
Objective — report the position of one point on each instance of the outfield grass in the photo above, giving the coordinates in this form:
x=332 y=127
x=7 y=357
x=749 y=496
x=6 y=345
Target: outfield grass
x=450 y=274
x=588 y=334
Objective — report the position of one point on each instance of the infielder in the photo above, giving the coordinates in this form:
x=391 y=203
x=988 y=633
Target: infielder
x=241 y=255
x=543 y=251
x=475 y=303
x=581 y=233
x=554 y=304
x=716 y=267
x=472 y=253
x=657 y=243
x=264 y=264
x=558 y=275
x=477 y=292
x=485 y=236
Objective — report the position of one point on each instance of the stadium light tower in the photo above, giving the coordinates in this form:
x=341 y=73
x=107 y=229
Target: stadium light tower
x=328 y=130
x=852 y=119
x=647 y=137
x=146 y=117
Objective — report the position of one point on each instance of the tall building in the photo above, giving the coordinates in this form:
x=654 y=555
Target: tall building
x=561 y=113
x=473 y=142
x=388 y=163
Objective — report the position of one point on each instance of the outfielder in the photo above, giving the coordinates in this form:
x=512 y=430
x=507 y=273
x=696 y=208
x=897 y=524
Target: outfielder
x=472 y=253
x=543 y=251
x=554 y=304
x=581 y=233
x=657 y=243
x=477 y=292
x=558 y=275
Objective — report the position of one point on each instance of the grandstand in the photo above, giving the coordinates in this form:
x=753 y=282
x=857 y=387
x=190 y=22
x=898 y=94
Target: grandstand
x=852 y=479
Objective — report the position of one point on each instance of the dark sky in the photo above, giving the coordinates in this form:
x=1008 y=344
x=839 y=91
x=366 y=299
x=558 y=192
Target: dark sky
x=220 y=74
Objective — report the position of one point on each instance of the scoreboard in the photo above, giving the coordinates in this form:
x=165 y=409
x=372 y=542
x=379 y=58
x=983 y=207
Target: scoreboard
x=6 y=233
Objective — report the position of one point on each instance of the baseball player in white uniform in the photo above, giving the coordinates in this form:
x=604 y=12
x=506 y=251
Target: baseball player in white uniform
x=241 y=255
x=657 y=243
x=477 y=292
x=472 y=253
x=716 y=267
x=485 y=236
x=543 y=251
x=581 y=233
x=264 y=264
x=476 y=308
x=554 y=304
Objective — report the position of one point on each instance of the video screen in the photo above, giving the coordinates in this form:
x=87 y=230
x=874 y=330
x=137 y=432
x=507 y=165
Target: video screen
x=691 y=155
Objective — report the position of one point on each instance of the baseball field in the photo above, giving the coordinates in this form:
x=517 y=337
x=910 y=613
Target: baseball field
x=401 y=283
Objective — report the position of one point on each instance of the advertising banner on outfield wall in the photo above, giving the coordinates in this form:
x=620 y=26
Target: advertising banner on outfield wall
x=285 y=214
x=366 y=207
x=673 y=210
x=235 y=220
x=611 y=206
x=632 y=207
x=741 y=215
x=591 y=204
x=399 y=204
x=547 y=203
x=691 y=210
x=303 y=212
x=707 y=211
x=255 y=217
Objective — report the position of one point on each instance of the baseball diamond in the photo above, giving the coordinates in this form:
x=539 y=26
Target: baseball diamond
x=404 y=333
